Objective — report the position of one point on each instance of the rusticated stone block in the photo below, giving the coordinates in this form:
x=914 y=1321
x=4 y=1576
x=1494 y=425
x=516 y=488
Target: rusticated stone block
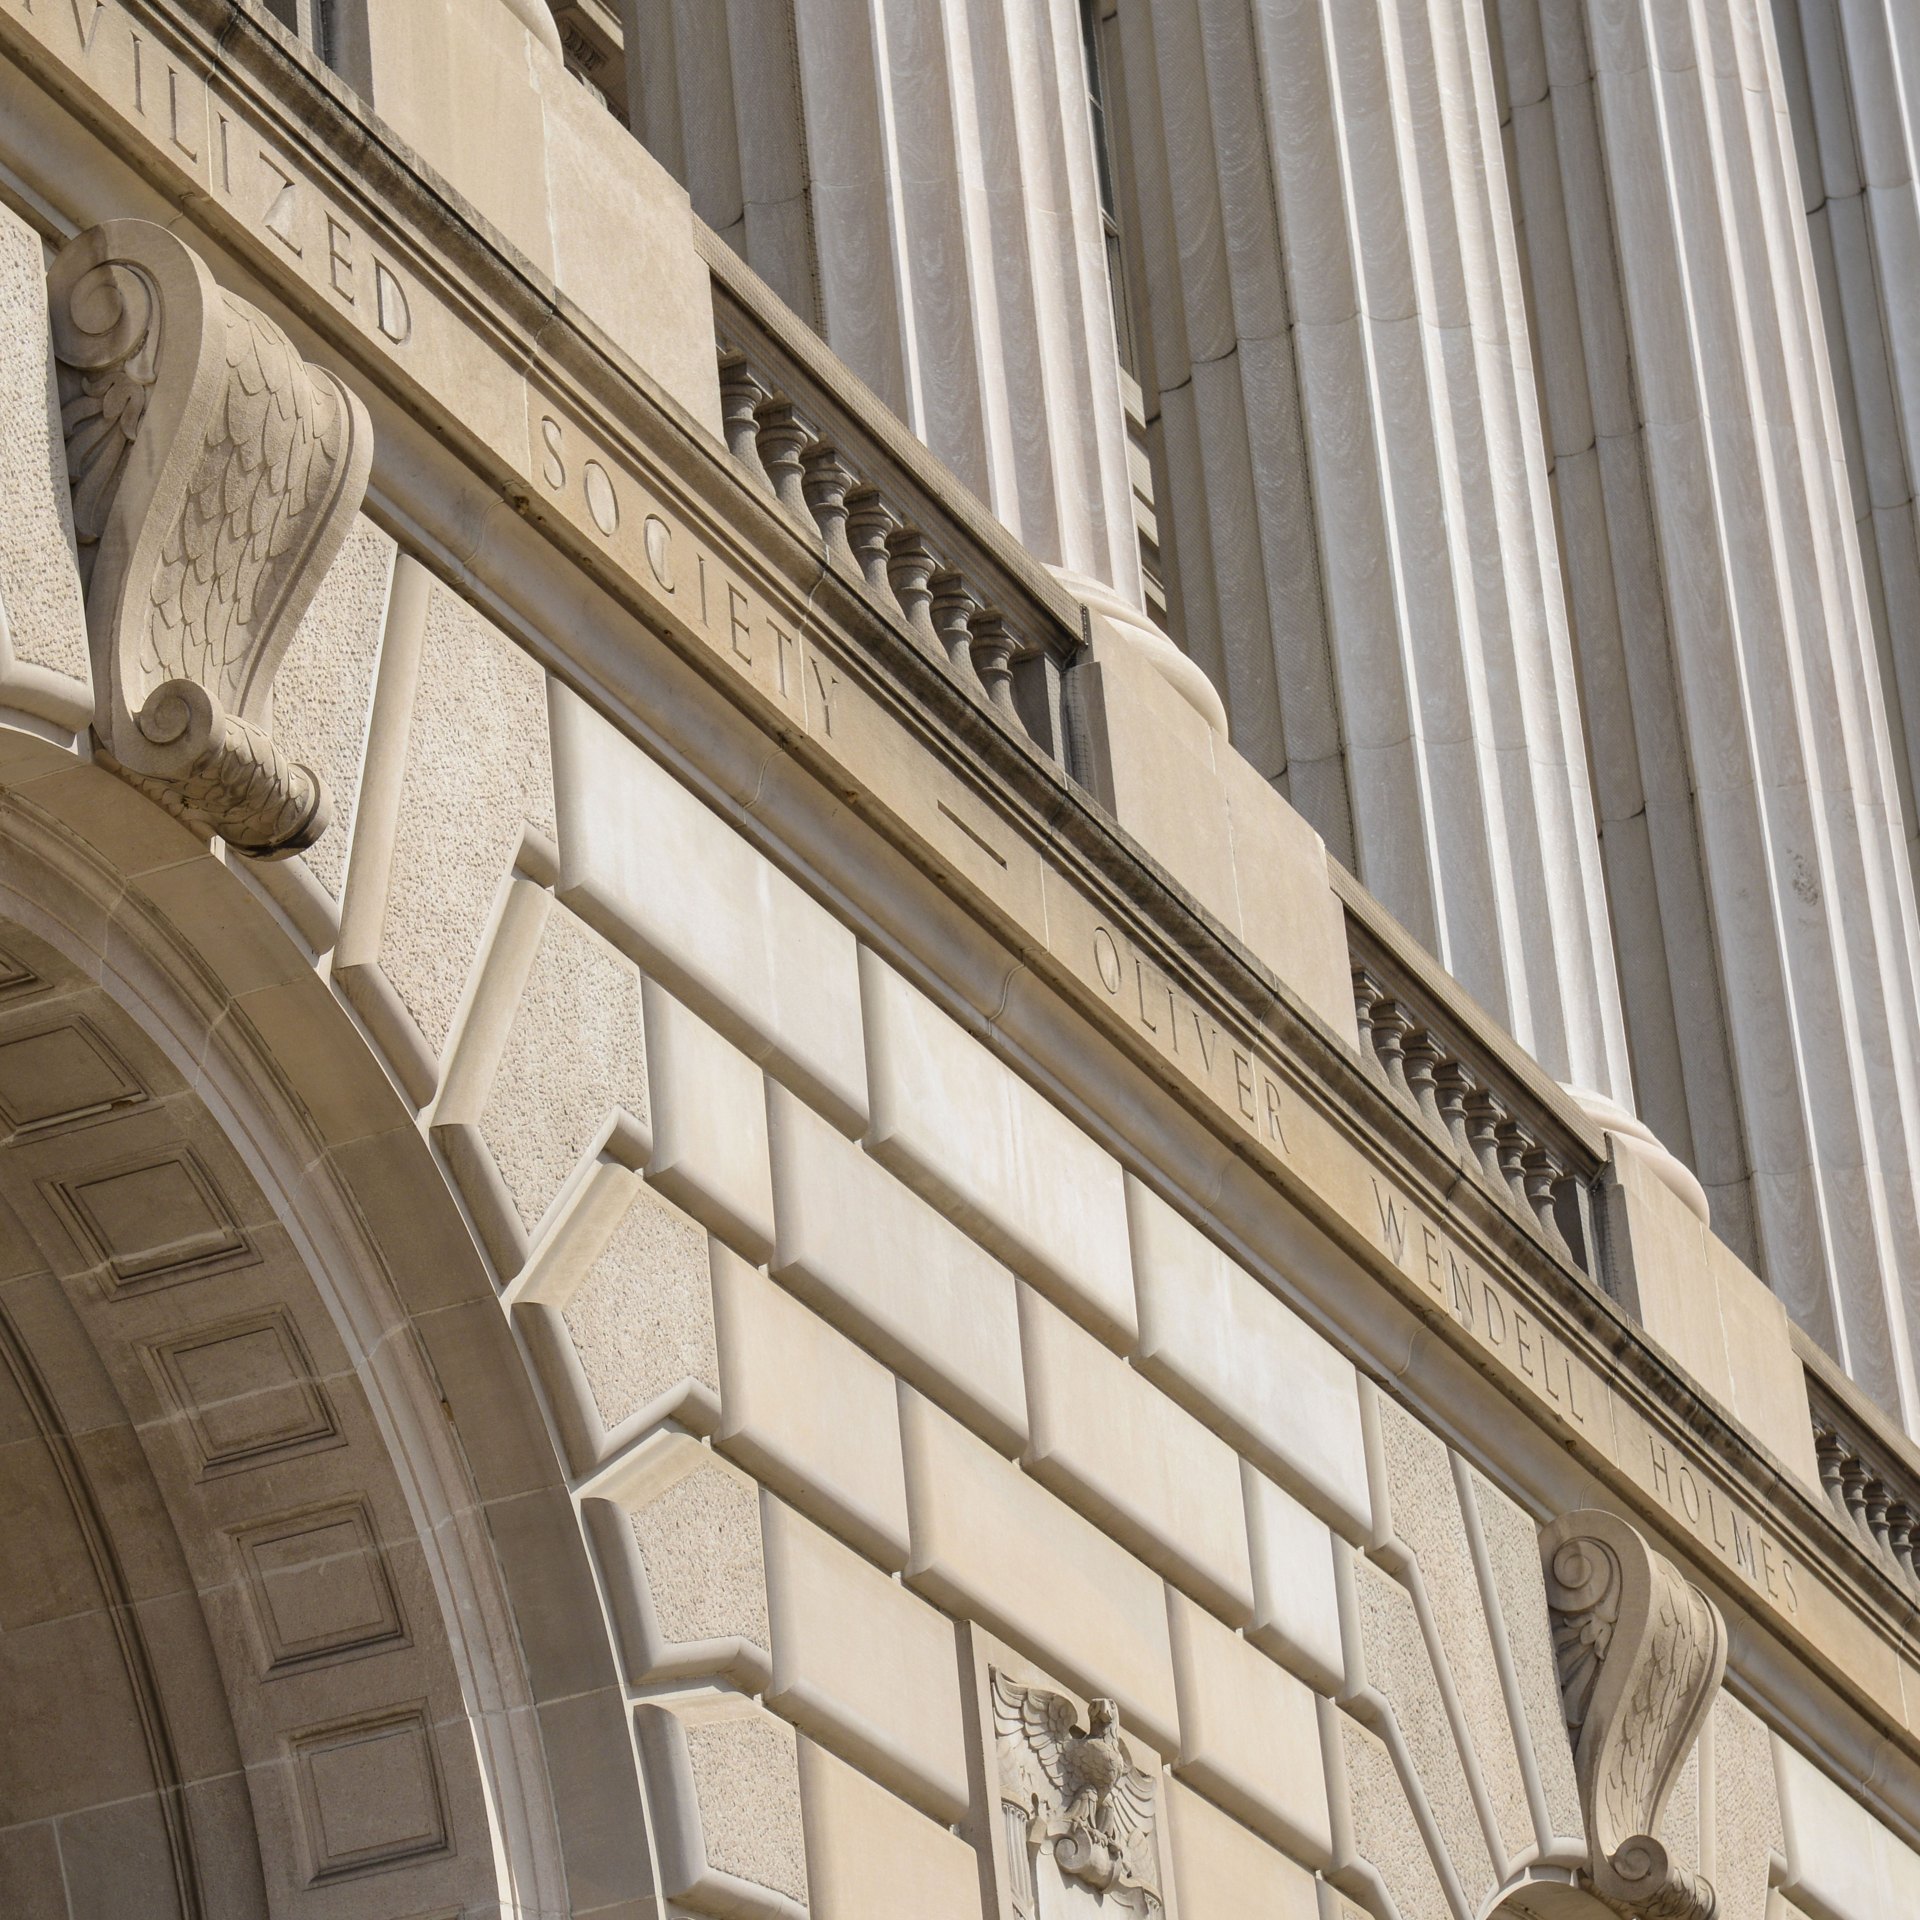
x=706 y=914
x=995 y=1154
x=862 y=1665
x=873 y=1257
x=723 y=1782
x=678 y=1534
x=1244 y=1362
x=804 y=1410
x=1117 y=1448
x=1224 y=1872
x=1249 y=1738
x=710 y=1126
x=870 y=1854
x=991 y=1545
x=1296 y=1604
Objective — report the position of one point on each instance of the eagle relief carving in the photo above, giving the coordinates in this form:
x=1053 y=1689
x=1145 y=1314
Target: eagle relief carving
x=1079 y=1813
x=215 y=475
x=1640 y=1655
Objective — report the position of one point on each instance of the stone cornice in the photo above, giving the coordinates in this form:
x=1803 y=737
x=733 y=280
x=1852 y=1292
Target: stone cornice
x=833 y=689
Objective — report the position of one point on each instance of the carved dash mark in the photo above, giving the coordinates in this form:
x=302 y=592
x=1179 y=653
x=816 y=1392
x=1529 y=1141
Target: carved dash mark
x=992 y=852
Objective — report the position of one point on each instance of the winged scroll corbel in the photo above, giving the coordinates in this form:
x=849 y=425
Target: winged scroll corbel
x=215 y=475
x=1073 y=1792
x=1640 y=1654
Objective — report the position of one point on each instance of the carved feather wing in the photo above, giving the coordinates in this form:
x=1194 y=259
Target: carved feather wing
x=1130 y=1810
x=273 y=443
x=1041 y=1721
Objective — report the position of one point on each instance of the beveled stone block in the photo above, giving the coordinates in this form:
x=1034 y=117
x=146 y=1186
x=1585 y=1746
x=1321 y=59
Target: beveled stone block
x=1223 y=1871
x=872 y=1256
x=994 y=1154
x=862 y=1665
x=1147 y=1472
x=805 y=1411
x=709 y=1128
x=706 y=913
x=991 y=1545
x=1249 y=1737
x=1296 y=1605
x=870 y=1854
x=1243 y=1361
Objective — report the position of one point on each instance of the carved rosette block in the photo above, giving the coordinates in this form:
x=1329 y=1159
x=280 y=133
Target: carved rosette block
x=1072 y=1794
x=215 y=475
x=1641 y=1653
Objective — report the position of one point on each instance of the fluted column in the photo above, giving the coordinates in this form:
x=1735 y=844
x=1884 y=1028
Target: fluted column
x=916 y=178
x=1852 y=74
x=1755 y=849
x=1356 y=501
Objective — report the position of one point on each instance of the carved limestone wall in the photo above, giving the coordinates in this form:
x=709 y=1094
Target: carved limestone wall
x=910 y=1499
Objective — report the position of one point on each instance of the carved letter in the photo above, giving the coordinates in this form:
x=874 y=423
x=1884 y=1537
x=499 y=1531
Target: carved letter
x=215 y=475
x=1640 y=1654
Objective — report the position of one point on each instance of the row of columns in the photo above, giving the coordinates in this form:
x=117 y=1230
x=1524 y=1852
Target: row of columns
x=915 y=178
x=1505 y=491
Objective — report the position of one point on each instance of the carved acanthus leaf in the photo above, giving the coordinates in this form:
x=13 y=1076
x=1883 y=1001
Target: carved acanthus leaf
x=1074 y=1791
x=1641 y=1654
x=215 y=474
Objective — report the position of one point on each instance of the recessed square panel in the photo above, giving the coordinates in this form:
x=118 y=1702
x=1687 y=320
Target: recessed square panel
x=321 y=1587
x=246 y=1391
x=60 y=1076
x=369 y=1794
x=152 y=1222
x=17 y=979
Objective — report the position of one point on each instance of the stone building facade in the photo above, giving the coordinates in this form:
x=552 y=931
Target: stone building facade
x=719 y=1197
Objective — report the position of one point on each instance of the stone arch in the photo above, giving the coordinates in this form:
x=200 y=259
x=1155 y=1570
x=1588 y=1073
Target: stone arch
x=254 y=1333
x=1547 y=1895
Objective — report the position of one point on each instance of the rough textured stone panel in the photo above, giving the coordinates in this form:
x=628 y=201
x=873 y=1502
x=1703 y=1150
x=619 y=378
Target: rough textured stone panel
x=1746 y=1831
x=723 y=1779
x=323 y=693
x=44 y=620
x=641 y=1319
x=1397 y=1667
x=1513 y=1561
x=477 y=774
x=575 y=1051
x=1384 y=1834
x=1426 y=1517
x=680 y=1546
